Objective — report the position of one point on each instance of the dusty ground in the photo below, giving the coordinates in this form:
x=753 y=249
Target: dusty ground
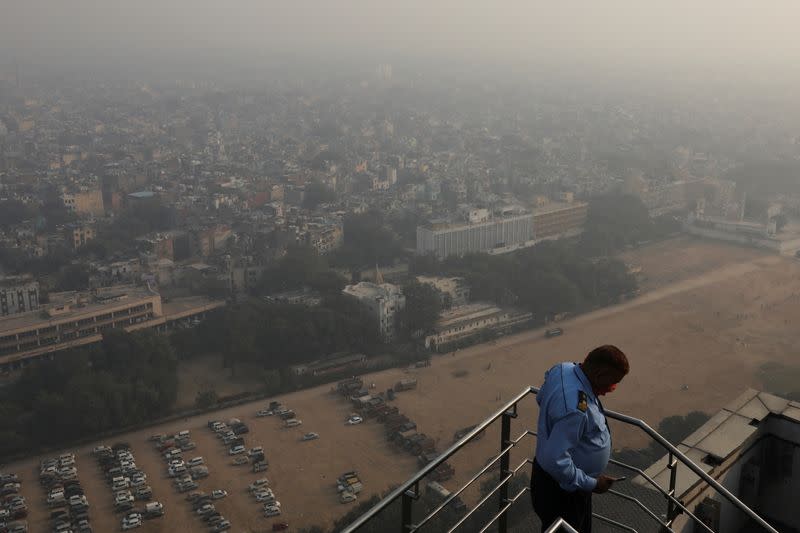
x=710 y=331
x=684 y=257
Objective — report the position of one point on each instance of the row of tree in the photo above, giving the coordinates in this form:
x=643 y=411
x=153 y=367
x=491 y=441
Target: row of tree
x=126 y=379
x=273 y=336
x=547 y=279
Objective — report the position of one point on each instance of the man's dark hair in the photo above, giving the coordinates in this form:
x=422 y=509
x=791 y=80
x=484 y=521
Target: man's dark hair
x=606 y=357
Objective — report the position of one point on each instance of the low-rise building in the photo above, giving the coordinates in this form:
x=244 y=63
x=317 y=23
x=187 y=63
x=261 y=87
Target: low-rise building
x=467 y=322
x=75 y=319
x=329 y=365
x=383 y=300
x=454 y=291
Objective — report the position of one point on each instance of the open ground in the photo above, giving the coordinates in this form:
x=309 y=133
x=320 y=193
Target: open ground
x=694 y=343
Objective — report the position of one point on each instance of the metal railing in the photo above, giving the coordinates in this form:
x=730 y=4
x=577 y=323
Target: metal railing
x=409 y=491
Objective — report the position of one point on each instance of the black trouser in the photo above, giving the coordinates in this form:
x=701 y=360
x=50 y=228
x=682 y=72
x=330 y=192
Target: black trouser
x=551 y=502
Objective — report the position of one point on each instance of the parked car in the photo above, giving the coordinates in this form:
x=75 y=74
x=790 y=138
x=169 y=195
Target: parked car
x=264 y=412
x=154 y=509
x=195 y=496
x=218 y=494
x=280 y=526
x=292 y=422
x=143 y=493
x=222 y=526
x=241 y=460
x=194 y=461
x=259 y=483
x=263 y=496
x=205 y=509
x=272 y=511
x=353 y=420
x=131 y=521
x=347 y=497
x=236 y=450
x=310 y=436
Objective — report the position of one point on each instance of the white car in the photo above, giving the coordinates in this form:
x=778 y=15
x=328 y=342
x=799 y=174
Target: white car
x=353 y=420
x=206 y=509
x=218 y=494
x=272 y=511
x=255 y=451
x=264 y=412
x=347 y=497
x=276 y=503
x=236 y=450
x=292 y=422
x=194 y=461
x=310 y=436
x=131 y=521
x=263 y=496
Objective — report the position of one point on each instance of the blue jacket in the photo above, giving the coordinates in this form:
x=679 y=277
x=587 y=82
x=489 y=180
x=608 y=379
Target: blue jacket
x=574 y=442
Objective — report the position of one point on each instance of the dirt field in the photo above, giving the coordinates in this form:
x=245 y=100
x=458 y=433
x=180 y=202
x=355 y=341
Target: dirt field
x=684 y=257
x=710 y=331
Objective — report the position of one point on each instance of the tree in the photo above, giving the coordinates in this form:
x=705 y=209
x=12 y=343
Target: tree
x=780 y=222
x=73 y=277
x=423 y=305
x=367 y=241
x=206 y=399
x=13 y=212
x=615 y=221
x=317 y=193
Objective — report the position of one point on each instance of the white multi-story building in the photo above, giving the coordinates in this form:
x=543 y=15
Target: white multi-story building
x=383 y=300
x=18 y=295
x=485 y=235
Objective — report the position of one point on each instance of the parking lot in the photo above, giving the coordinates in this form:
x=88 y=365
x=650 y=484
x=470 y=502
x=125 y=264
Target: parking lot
x=299 y=472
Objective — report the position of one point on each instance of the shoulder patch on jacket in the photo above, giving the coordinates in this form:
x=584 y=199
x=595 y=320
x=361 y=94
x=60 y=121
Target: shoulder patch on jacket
x=583 y=404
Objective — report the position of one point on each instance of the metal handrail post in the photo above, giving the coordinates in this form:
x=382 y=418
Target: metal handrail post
x=672 y=464
x=405 y=521
x=505 y=440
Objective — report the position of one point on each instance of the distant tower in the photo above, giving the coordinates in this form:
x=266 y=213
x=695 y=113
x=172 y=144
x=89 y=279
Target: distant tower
x=378 y=276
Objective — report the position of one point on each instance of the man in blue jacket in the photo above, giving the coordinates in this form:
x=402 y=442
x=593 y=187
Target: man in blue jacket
x=574 y=442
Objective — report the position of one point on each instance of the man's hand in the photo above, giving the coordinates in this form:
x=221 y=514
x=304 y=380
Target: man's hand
x=603 y=484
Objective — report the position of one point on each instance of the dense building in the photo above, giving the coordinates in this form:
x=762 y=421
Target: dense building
x=323 y=237
x=75 y=319
x=468 y=322
x=487 y=234
x=88 y=202
x=383 y=300
x=78 y=234
x=18 y=294
x=552 y=220
x=454 y=291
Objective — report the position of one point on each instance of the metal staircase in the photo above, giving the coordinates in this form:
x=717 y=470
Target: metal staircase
x=662 y=516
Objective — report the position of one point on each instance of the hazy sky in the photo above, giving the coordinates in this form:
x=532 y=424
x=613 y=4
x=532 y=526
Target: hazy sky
x=708 y=33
